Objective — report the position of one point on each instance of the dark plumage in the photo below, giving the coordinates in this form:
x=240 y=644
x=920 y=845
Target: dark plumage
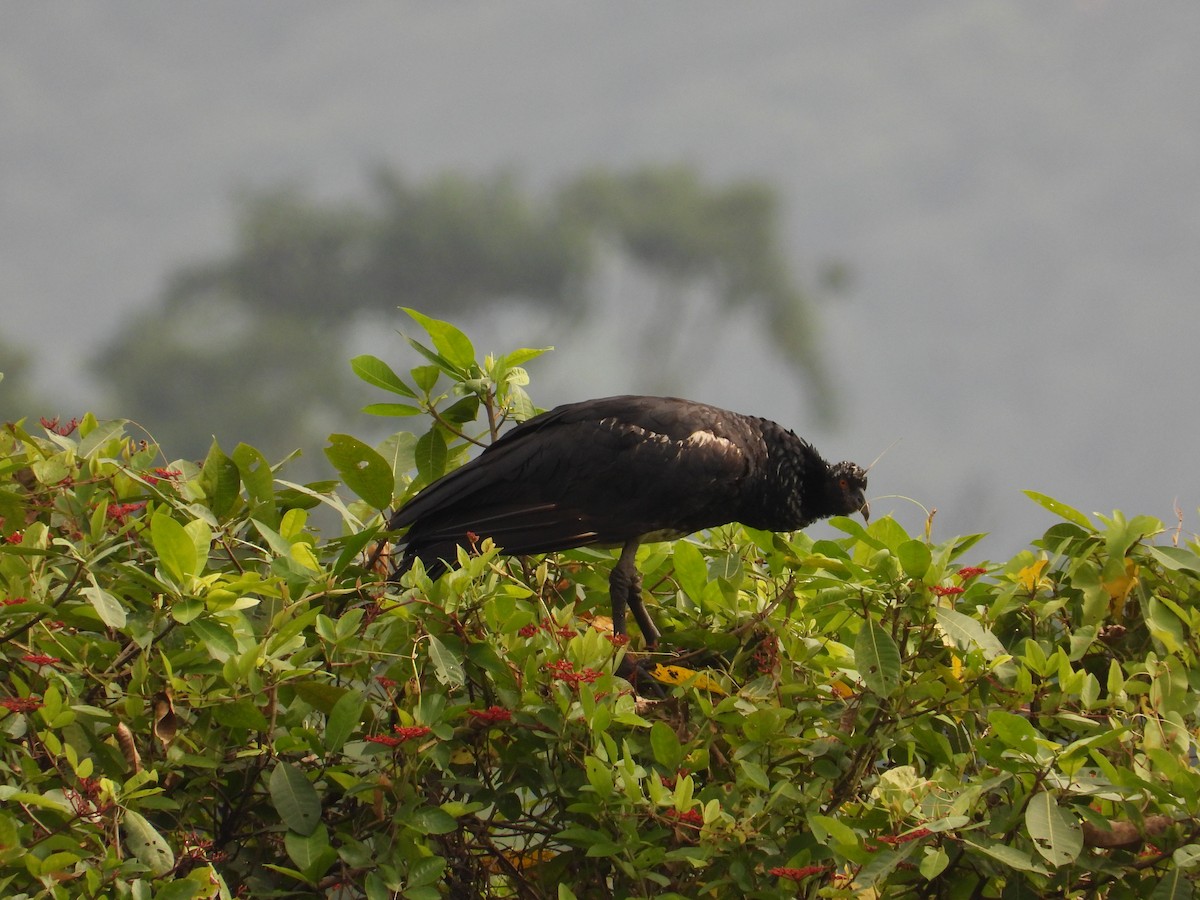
x=619 y=471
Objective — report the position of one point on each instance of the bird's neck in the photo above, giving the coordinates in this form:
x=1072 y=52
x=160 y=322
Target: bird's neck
x=793 y=490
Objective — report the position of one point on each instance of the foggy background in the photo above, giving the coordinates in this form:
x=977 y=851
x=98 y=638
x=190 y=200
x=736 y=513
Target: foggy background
x=1014 y=188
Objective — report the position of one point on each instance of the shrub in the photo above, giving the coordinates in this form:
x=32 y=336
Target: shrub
x=205 y=695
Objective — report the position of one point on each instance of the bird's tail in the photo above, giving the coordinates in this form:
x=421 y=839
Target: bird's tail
x=431 y=558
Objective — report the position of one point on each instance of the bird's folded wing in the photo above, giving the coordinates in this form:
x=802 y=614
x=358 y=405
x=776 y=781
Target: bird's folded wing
x=582 y=476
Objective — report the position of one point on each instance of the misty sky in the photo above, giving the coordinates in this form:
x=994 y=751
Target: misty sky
x=1015 y=186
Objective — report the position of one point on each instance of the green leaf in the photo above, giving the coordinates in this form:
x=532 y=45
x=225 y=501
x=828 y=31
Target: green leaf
x=755 y=775
x=144 y=842
x=1187 y=856
x=1165 y=626
x=351 y=547
x=425 y=871
x=877 y=659
x=599 y=776
x=915 y=558
x=1177 y=558
x=426 y=377
x=831 y=832
x=968 y=634
x=1061 y=509
x=1015 y=731
x=201 y=534
x=1057 y=837
x=934 y=863
x=107 y=607
x=320 y=695
x=174 y=547
x=56 y=862
x=279 y=545
x=1120 y=534
x=524 y=355
x=450 y=342
x=392 y=409
x=53 y=470
x=668 y=752
x=220 y=481
x=462 y=411
x=520 y=407
x=432 y=820
x=605 y=849
x=690 y=569
x=1010 y=856
x=766 y=723
x=182 y=888
x=375 y=371
x=216 y=637
x=294 y=798
x=342 y=720
x=256 y=473
x=362 y=469
x=240 y=714
x=310 y=852
x=431 y=455
x=889 y=532
x=434 y=357
x=400 y=451
x=517 y=376
x=101 y=434
x=855 y=530
x=1174 y=885
x=446 y=666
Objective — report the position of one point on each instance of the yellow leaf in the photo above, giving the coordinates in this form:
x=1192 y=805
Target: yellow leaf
x=841 y=689
x=602 y=624
x=520 y=859
x=303 y=554
x=1118 y=589
x=681 y=675
x=1030 y=577
x=956 y=666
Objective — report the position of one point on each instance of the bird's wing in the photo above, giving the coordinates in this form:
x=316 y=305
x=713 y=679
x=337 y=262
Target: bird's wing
x=603 y=471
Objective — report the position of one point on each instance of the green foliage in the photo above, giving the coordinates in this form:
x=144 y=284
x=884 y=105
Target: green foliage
x=201 y=694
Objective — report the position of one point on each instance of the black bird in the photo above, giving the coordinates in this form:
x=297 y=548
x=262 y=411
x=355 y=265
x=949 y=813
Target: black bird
x=622 y=470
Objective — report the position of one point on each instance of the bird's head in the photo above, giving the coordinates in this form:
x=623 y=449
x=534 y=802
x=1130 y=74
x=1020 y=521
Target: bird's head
x=849 y=489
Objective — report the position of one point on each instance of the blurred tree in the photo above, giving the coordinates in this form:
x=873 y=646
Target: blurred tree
x=251 y=346
x=293 y=258
x=217 y=370
x=686 y=233
x=17 y=399
x=455 y=243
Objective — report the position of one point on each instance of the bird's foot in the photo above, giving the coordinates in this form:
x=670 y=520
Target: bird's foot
x=637 y=671
x=629 y=590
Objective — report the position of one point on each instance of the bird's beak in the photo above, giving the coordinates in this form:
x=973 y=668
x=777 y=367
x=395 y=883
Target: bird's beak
x=865 y=509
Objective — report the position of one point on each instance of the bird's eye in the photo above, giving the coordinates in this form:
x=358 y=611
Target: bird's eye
x=843 y=483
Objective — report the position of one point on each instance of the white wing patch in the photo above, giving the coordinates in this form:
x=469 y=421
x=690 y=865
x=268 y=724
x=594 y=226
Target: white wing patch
x=700 y=438
x=644 y=433
x=707 y=439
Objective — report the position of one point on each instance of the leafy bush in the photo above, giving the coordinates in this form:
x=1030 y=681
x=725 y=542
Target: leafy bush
x=203 y=695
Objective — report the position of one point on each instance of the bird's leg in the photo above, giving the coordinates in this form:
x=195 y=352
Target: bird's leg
x=623 y=573
x=625 y=590
x=638 y=607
